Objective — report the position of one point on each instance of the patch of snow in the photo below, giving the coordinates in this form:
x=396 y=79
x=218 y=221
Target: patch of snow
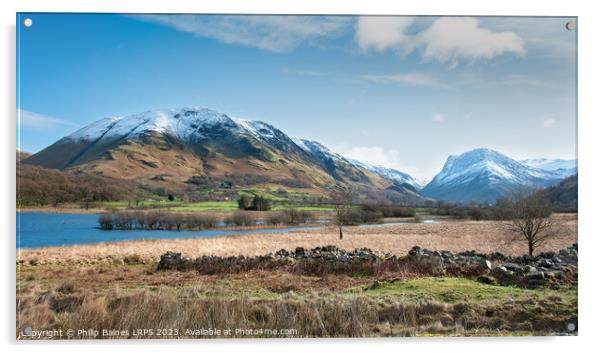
x=318 y=149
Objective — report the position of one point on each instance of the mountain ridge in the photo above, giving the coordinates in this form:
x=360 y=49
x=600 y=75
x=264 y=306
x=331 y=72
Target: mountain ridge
x=483 y=175
x=175 y=145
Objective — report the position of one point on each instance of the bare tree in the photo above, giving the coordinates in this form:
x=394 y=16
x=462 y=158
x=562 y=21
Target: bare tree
x=532 y=220
x=342 y=198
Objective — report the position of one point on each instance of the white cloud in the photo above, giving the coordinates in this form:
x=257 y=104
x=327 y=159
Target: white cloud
x=438 y=118
x=408 y=79
x=549 y=123
x=447 y=39
x=381 y=33
x=450 y=39
x=374 y=155
x=40 y=121
x=273 y=33
x=547 y=35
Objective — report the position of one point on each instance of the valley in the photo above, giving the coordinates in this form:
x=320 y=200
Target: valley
x=248 y=217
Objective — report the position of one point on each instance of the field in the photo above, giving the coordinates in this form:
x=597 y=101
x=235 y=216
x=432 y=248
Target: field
x=117 y=287
x=274 y=304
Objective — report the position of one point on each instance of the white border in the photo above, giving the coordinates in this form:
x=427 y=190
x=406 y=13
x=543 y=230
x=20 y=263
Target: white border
x=589 y=163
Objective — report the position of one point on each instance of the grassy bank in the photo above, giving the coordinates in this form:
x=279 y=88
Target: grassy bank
x=130 y=297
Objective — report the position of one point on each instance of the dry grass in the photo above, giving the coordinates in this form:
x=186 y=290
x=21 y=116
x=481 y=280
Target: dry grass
x=482 y=236
x=422 y=306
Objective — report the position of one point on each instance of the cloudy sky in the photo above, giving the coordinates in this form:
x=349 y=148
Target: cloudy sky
x=403 y=92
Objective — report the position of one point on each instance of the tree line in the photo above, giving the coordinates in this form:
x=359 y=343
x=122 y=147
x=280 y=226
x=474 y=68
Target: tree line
x=37 y=186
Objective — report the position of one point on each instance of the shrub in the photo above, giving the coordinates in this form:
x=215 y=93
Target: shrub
x=260 y=203
x=276 y=218
x=291 y=216
x=244 y=202
x=105 y=222
x=202 y=221
x=369 y=216
x=352 y=217
x=295 y=216
x=241 y=219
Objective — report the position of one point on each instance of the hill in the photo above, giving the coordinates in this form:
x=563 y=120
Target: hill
x=564 y=196
x=483 y=175
x=201 y=147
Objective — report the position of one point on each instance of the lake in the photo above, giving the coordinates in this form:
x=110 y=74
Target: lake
x=42 y=229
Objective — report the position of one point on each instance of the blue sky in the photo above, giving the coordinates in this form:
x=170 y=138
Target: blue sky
x=401 y=92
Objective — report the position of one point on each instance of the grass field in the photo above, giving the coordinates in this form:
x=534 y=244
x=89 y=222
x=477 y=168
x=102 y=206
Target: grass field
x=115 y=286
x=128 y=297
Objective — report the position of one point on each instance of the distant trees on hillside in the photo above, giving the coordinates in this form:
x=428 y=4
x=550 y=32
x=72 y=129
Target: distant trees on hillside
x=257 y=203
x=37 y=186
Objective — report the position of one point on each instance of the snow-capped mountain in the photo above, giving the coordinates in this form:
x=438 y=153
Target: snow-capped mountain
x=563 y=167
x=170 y=147
x=187 y=124
x=391 y=173
x=483 y=175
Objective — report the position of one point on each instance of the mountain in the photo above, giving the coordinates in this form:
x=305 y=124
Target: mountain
x=198 y=147
x=391 y=173
x=562 y=167
x=483 y=175
x=563 y=197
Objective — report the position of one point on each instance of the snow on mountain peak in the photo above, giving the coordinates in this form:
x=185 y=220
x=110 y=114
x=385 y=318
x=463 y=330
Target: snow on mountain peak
x=484 y=175
x=184 y=123
x=314 y=147
x=485 y=161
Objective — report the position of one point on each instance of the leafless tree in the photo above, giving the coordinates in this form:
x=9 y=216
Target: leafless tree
x=532 y=220
x=342 y=198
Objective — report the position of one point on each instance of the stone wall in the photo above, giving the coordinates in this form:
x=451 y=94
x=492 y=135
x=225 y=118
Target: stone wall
x=546 y=268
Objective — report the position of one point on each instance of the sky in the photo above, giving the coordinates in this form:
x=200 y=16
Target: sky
x=401 y=92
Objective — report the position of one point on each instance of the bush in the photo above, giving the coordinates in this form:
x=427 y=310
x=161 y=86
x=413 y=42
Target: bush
x=369 y=216
x=241 y=219
x=295 y=216
x=291 y=216
x=202 y=222
x=244 y=202
x=353 y=217
x=276 y=218
x=260 y=203
x=105 y=222
x=155 y=220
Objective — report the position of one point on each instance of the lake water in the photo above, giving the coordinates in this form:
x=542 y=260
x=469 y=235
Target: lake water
x=42 y=229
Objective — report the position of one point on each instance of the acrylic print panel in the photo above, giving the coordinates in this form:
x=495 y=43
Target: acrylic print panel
x=205 y=176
